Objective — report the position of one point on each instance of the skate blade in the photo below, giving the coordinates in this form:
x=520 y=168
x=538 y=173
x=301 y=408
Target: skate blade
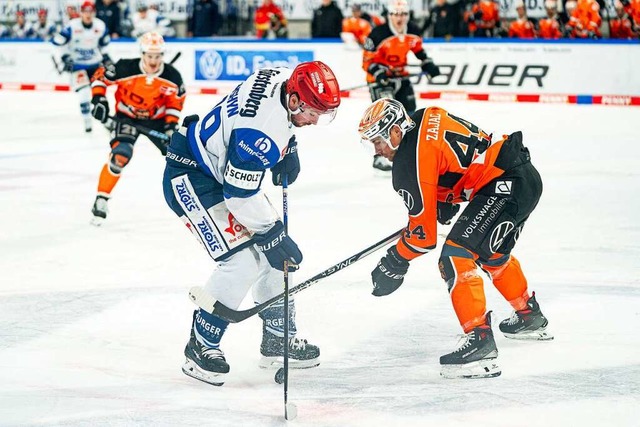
x=97 y=221
x=194 y=371
x=485 y=368
x=276 y=362
x=537 y=335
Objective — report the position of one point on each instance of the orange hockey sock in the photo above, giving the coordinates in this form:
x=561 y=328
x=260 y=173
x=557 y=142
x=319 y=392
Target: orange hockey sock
x=510 y=282
x=107 y=181
x=467 y=294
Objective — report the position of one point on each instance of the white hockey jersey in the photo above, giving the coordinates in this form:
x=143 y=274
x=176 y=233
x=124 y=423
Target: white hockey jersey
x=247 y=133
x=85 y=45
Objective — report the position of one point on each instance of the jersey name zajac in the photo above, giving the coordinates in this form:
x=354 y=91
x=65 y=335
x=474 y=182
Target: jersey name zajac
x=247 y=133
x=444 y=158
x=140 y=95
x=386 y=47
x=85 y=45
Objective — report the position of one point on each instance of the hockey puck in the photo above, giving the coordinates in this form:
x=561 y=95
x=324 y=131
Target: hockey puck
x=279 y=378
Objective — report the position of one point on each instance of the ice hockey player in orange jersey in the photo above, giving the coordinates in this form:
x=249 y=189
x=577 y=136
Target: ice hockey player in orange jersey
x=522 y=27
x=439 y=161
x=483 y=19
x=584 y=19
x=385 y=60
x=550 y=27
x=357 y=25
x=149 y=93
x=621 y=25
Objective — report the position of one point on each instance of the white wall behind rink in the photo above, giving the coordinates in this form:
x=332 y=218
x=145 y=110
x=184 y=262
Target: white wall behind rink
x=498 y=67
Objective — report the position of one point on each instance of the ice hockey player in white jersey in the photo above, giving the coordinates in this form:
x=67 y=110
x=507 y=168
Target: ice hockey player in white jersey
x=215 y=168
x=83 y=42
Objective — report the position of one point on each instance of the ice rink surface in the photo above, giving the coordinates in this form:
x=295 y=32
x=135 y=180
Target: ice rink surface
x=93 y=321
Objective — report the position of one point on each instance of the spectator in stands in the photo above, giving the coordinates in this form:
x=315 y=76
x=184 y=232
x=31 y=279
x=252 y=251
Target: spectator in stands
x=22 y=29
x=621 y=25
x=109 y=12
x=270 y=21
x=327 y=21
x=357 y=25
x=483 y=19
x=522 y=27
x=550 y=27
x=204 y=19
x=146 y=20
x=4 y=31
x=584 y=20
x=43 y=29
x=632 y=7
x=444 y=18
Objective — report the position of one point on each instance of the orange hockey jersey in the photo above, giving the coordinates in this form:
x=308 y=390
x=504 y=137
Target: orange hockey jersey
x=549 y=28
x=443 y=158
x=522 y=29
x=141 y=96
x=359 y=27
x=391 y=50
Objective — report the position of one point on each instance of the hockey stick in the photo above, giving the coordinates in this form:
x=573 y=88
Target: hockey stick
x=141 y=128
x=175 y=58
x=290 y=410
x=408 y=76
x=56 y=65
x=209 y=304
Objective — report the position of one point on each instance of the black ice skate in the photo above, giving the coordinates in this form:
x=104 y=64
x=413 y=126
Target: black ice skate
x=301 y=354
x=99 y=210
x=382 y=163
x=475 y=356
x=204 y=364
x=527 y=324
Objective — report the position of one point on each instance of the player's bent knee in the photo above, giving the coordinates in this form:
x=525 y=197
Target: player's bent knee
x=121 y=153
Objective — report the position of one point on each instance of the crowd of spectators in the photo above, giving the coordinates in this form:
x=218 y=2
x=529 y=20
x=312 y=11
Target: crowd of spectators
x=444 y=19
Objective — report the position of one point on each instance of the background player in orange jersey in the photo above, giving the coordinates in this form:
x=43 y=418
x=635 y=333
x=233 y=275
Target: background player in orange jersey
x=522 y=27
x=149 y=93
x=550 y=27
x=440 y=160
x=385 y=58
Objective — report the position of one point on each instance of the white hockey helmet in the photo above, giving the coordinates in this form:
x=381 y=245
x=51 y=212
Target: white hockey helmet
x=151 y=42
x=380 y=117
x=398 y=6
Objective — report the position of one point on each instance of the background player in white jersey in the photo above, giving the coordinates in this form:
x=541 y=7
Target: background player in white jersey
x=83 y=42
x=215 y=167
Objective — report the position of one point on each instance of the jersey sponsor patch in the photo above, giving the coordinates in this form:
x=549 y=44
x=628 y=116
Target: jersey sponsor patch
x=241 y=178
x=503 y=187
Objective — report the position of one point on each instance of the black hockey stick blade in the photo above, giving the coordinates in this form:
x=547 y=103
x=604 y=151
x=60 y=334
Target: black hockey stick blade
x=142 y=129
x=209 y=304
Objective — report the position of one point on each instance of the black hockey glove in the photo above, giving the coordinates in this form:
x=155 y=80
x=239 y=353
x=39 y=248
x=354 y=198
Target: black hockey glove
x=289 y=166
x=380 y=73
x=100 y=109
x=446 y=211
x=429 y=68
x=67 y=63
x=278 y=247
x=389 y=274
x=170 y=128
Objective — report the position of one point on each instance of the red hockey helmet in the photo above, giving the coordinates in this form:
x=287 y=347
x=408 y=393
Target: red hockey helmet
x=317 y=87
x=88 y=5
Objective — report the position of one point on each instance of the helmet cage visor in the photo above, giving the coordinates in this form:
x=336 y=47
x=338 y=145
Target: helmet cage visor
x=315 y=116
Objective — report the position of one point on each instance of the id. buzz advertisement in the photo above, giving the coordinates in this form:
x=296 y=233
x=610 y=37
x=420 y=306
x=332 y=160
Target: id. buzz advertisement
x=214 y=64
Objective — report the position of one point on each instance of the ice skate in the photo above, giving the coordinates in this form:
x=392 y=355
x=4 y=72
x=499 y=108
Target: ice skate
x=301 y=354
x=527 y=324
x=475 y=356
x=205 y=364
x=99 y=210
x=382 y=163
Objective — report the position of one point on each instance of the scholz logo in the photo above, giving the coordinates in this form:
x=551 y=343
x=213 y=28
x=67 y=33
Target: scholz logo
x=211 y=64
